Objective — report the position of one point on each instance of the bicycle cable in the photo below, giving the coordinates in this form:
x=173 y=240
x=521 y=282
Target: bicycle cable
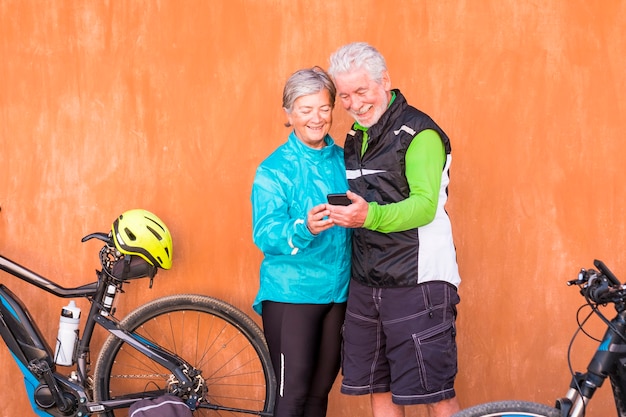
x=580 y=328
x=582 y=324
x=596 y=310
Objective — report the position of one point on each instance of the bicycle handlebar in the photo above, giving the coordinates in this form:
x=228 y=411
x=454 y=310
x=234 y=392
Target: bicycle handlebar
x=599 y=291
x=600 y=286
x=98 y=235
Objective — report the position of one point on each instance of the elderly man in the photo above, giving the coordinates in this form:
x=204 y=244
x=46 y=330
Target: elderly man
x=399 y=337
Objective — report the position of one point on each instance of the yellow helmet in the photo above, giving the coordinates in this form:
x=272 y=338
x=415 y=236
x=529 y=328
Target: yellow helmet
x=139 y=232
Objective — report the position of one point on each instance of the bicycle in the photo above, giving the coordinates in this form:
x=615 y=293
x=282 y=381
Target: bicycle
x=197 y=347
x=599 y=288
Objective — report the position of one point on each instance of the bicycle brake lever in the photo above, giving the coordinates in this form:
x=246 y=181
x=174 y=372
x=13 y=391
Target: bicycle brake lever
x=582 y=278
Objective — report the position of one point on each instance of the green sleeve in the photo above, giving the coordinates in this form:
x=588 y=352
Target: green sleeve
x=425 y=159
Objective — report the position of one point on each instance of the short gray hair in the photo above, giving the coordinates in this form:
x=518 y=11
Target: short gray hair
x=305 y=82
x=358 y=55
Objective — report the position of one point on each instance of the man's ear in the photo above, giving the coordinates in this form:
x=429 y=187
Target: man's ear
x=386 y=81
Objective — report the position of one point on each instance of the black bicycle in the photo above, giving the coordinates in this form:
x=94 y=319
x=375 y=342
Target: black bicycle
x=199 y=348
x=599 y=288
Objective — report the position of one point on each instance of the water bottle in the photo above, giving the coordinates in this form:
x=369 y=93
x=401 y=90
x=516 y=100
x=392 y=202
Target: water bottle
x=68 y=334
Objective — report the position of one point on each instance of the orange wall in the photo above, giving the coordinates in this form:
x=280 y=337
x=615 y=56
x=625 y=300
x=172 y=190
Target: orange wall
x=170 y=106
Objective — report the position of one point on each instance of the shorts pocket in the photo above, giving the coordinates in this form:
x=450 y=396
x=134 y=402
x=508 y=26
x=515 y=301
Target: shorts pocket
x=436 y=355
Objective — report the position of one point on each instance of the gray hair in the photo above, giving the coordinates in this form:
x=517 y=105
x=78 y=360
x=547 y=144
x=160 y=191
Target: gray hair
x=358 y=55
x=305 y=82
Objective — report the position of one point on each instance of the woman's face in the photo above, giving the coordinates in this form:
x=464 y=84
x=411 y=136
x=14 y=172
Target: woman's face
x=311 y=118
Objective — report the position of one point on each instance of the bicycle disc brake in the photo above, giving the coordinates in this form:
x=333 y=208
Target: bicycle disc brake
x=192 y=395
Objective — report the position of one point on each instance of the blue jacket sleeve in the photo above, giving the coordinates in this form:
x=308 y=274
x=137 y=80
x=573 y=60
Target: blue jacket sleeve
x=279 y=224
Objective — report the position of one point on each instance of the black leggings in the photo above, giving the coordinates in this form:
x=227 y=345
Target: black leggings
x=305 y=346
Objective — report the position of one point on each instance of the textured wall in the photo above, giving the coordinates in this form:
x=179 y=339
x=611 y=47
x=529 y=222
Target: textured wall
x=170 y=106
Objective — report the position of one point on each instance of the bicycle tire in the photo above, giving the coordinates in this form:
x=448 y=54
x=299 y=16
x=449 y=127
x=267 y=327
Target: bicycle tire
x=230 y=350
x=509 y=409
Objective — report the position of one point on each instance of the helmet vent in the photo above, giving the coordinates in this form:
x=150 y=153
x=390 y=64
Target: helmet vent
x=155 y=223
x=130 y=234
x=155 y=233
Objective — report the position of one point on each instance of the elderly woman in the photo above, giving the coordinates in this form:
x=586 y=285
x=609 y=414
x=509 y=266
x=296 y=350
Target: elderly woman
x=305 y=270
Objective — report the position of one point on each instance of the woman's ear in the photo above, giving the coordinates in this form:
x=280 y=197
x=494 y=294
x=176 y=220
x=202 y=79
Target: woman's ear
x=288 y=114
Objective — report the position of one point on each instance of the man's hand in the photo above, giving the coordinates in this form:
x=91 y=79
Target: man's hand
x=351 y=216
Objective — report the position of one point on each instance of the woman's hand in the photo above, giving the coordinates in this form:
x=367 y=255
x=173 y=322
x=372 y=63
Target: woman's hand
x=317 y=219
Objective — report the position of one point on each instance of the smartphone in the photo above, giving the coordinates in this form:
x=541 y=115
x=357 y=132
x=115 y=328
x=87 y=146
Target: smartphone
x=338 y=199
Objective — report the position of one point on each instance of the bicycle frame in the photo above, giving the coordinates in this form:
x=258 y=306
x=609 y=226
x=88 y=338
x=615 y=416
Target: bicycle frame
x=608 y=361
x=50 y=393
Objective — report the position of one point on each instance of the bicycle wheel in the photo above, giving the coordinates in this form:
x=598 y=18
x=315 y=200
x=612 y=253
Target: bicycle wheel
x=509 y=409
x=212 y=335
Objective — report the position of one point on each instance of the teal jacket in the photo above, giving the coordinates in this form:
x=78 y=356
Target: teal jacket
x=299 y=267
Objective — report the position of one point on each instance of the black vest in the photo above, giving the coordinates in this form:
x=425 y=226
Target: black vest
x=386 y=259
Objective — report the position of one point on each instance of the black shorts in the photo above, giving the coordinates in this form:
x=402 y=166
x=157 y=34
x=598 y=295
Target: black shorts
x=401 y=340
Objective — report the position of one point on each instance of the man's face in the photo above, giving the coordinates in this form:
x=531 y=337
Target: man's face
x=361 y=96
x=311 y=118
